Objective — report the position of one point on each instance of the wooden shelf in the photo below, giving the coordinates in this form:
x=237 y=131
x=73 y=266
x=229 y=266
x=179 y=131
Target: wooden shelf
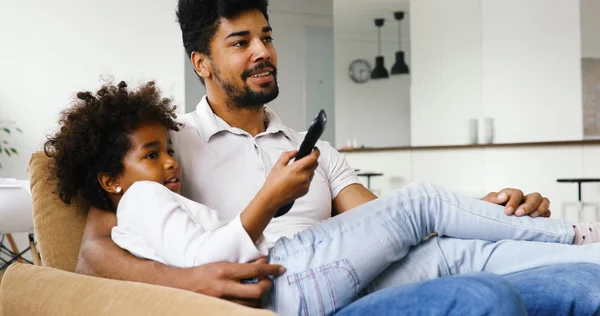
x=453 y=147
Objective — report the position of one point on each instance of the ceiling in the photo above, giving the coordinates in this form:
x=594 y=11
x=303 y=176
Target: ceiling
x=317 y=7
x=354 y=19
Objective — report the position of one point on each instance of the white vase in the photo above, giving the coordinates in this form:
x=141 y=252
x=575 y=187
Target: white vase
x=488 y=130
x=473 y=131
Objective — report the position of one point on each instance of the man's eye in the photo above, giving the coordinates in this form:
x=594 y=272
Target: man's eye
x=239 y=44
x=268 y=39
x=171 y=152
x=152 y=155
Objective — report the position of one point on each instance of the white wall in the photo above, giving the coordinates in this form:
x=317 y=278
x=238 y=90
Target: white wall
x=532 y=66
x=590 y=27
x=194 y=89
x=375 y=113
x=309 y=8
x=50 y=50
x=515 y=61
x=447 y=70
x=290 y=41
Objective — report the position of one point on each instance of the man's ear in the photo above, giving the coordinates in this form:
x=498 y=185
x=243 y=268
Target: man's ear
x=201 y=64
x=109 y=183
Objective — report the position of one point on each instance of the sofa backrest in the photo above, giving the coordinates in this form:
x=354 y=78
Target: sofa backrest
x=58 y=227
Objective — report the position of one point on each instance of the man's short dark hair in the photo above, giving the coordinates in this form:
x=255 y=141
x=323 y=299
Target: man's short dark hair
x=199 y=20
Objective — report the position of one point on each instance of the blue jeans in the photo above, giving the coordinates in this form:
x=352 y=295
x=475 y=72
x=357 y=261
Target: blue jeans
x=545 y=291
x=477 y=294
x=564 y=289
x=367 y=249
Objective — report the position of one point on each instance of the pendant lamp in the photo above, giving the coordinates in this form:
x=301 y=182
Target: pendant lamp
x=400 y=67
x=379 y=72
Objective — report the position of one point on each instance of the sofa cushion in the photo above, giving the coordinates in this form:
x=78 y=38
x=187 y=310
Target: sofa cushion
x=31 y=290
x=58 y=227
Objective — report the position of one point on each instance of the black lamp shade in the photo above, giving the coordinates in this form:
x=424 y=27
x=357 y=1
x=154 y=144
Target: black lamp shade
x=379 y=72
x=400 y=67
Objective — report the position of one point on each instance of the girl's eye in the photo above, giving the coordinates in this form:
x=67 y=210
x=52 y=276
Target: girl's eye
x=268 y=39
x=152 y=155
x=171 y=152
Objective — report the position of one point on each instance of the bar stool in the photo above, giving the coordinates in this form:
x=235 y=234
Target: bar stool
x=580 y=205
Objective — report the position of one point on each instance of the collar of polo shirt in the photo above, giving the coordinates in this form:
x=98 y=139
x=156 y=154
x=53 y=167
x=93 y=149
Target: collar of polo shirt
x=211 y=124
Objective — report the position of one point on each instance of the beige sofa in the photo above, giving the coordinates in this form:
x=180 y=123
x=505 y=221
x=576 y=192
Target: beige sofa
x=54 y=288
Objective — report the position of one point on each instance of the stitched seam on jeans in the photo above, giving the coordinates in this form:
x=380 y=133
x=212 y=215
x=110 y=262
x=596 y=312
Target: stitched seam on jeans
x=567 y=226
x=273 y=293
x=350 y=272
x=302 y=298
x=326 y=273
x=319 y=296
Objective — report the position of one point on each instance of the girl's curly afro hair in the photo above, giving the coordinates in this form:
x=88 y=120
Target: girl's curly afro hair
x=93 y=136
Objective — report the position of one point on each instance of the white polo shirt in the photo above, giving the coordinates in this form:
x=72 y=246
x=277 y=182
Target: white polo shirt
x=224 y=167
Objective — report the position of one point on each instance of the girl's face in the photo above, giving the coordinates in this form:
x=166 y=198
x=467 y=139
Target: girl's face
x=149 y=158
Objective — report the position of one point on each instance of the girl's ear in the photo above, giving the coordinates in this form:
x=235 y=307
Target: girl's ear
x=109 y=183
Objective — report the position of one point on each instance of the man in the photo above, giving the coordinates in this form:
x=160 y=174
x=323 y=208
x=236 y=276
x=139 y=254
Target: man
x=228 y=147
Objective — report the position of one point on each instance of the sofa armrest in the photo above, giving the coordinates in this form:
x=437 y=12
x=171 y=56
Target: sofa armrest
x=34 y=290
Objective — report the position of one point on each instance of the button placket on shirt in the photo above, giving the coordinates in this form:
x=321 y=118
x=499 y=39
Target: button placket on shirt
x=261 y=163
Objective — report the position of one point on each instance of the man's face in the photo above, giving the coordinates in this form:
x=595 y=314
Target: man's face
x=243 y=60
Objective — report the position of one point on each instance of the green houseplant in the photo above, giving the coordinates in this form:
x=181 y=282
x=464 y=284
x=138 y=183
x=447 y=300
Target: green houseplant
x=7 y=128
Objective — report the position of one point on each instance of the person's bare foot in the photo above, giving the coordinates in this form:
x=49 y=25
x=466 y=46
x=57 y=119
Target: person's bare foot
x=586 y=233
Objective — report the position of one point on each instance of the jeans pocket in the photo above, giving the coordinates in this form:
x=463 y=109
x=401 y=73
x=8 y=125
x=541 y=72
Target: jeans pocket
x=325 y=289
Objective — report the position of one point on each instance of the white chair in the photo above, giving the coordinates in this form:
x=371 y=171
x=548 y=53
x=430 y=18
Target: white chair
x=580 y=205
x=15 y=217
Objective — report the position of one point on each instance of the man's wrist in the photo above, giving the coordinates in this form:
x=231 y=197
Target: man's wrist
x=268 y=200
x=171 y=276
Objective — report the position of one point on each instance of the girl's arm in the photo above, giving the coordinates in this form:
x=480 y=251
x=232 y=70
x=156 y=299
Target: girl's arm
x=157 y=224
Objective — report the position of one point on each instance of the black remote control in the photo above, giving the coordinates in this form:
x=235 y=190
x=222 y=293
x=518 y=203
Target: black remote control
x=308 y=144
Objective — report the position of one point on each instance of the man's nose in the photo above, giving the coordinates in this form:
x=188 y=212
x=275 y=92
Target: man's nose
x=261 y=51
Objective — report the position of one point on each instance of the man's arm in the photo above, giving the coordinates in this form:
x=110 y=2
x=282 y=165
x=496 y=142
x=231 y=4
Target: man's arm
x=351 y=197
x=346 y=189
x=100 y=257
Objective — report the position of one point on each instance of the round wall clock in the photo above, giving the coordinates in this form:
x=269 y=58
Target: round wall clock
x=359 y=71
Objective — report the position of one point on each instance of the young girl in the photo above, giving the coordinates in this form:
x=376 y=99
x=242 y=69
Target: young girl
x=113 y=148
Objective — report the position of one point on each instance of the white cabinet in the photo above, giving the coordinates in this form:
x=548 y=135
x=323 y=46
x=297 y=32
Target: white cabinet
x=516 y=61
x=446 y=70
x=460 y=170
x=532 y=69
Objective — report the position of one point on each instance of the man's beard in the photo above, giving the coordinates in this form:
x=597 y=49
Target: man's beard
x=245 y=97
